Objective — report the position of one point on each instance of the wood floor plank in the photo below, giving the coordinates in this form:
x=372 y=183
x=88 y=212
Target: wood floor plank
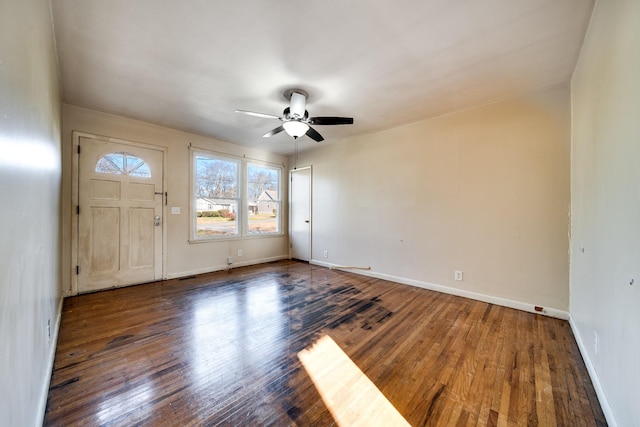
x=222 y=349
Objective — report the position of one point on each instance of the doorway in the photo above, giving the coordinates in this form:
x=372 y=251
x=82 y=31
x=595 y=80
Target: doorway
x=119 y=213
x=300 y=213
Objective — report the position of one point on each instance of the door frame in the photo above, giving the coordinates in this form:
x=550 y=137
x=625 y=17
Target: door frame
x=291 y=172
x=75 y=199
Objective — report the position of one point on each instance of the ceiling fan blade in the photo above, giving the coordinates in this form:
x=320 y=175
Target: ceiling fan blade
x=331 y=120
x=313 y=134
x=273 y=132
x=251 y=113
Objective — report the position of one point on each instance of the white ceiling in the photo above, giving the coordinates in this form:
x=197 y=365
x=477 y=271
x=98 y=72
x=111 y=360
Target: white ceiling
x=188 y=64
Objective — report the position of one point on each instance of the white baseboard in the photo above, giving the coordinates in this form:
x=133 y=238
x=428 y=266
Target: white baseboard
x=518 y=305
x=44 y=393
x=211 y=269
x=604 y=403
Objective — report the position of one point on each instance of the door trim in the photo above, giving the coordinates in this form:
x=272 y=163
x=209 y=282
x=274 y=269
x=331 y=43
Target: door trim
x=75 y=199
x=292 y=171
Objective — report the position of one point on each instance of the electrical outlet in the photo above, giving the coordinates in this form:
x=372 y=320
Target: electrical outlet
x=229 y=260
x=457 y=275
x=326 y=254
x=240 y=252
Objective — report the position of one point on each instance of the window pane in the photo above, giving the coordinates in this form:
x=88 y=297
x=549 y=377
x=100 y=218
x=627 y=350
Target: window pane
x=136 y=167
x=216 y=196
x=263 y=187
x=123 y=164
x=110 y=163
x=217 y=219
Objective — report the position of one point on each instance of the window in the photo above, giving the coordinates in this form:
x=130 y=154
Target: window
x=233 y=197
x=263 y=196
x=216 y=196
x=123 y=164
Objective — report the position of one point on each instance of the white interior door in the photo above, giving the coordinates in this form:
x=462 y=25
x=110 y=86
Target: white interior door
x=300 y=214
x=120 y=199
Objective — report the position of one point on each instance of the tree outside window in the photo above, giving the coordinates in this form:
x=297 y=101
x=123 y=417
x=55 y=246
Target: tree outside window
x=216 y=196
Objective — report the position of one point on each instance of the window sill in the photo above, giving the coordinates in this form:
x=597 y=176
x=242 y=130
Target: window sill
x=236 y=238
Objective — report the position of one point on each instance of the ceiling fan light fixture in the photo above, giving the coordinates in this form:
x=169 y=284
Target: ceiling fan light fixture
x=295 y=128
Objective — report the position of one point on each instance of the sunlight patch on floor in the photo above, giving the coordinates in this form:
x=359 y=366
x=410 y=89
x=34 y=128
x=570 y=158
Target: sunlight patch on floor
x=350 y=396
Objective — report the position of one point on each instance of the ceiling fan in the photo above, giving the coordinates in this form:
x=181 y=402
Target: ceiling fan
x=295 y=118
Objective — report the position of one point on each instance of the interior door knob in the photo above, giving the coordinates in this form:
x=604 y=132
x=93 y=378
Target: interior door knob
x=307 y=221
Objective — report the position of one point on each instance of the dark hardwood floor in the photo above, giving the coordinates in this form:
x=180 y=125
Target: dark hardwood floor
x=222 y=349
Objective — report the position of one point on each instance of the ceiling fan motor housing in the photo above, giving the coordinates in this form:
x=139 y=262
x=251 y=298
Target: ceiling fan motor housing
x=286 y=114
x=297 y=102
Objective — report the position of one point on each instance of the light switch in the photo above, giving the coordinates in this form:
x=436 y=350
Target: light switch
x=175 y=210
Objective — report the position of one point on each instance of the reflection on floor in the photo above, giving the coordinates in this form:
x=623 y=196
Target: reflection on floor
x=222 y=349
x=350 y=396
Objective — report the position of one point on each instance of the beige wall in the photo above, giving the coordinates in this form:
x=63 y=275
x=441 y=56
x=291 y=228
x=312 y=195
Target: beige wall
x=182 y=258
x=484 y=191
x=605 y=190
x=30 y=118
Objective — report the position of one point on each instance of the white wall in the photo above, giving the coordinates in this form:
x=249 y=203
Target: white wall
x=183 y=258
x=605 y=192
x=485 y=191
x=30 y=295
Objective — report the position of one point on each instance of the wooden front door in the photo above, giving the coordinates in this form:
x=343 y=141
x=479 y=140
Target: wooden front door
x=120 y=220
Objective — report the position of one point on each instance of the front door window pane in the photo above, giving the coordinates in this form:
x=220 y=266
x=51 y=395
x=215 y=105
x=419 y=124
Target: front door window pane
x=123 y=164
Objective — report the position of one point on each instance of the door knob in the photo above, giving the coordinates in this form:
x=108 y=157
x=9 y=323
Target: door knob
x=156 y=220
x=307 y=221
